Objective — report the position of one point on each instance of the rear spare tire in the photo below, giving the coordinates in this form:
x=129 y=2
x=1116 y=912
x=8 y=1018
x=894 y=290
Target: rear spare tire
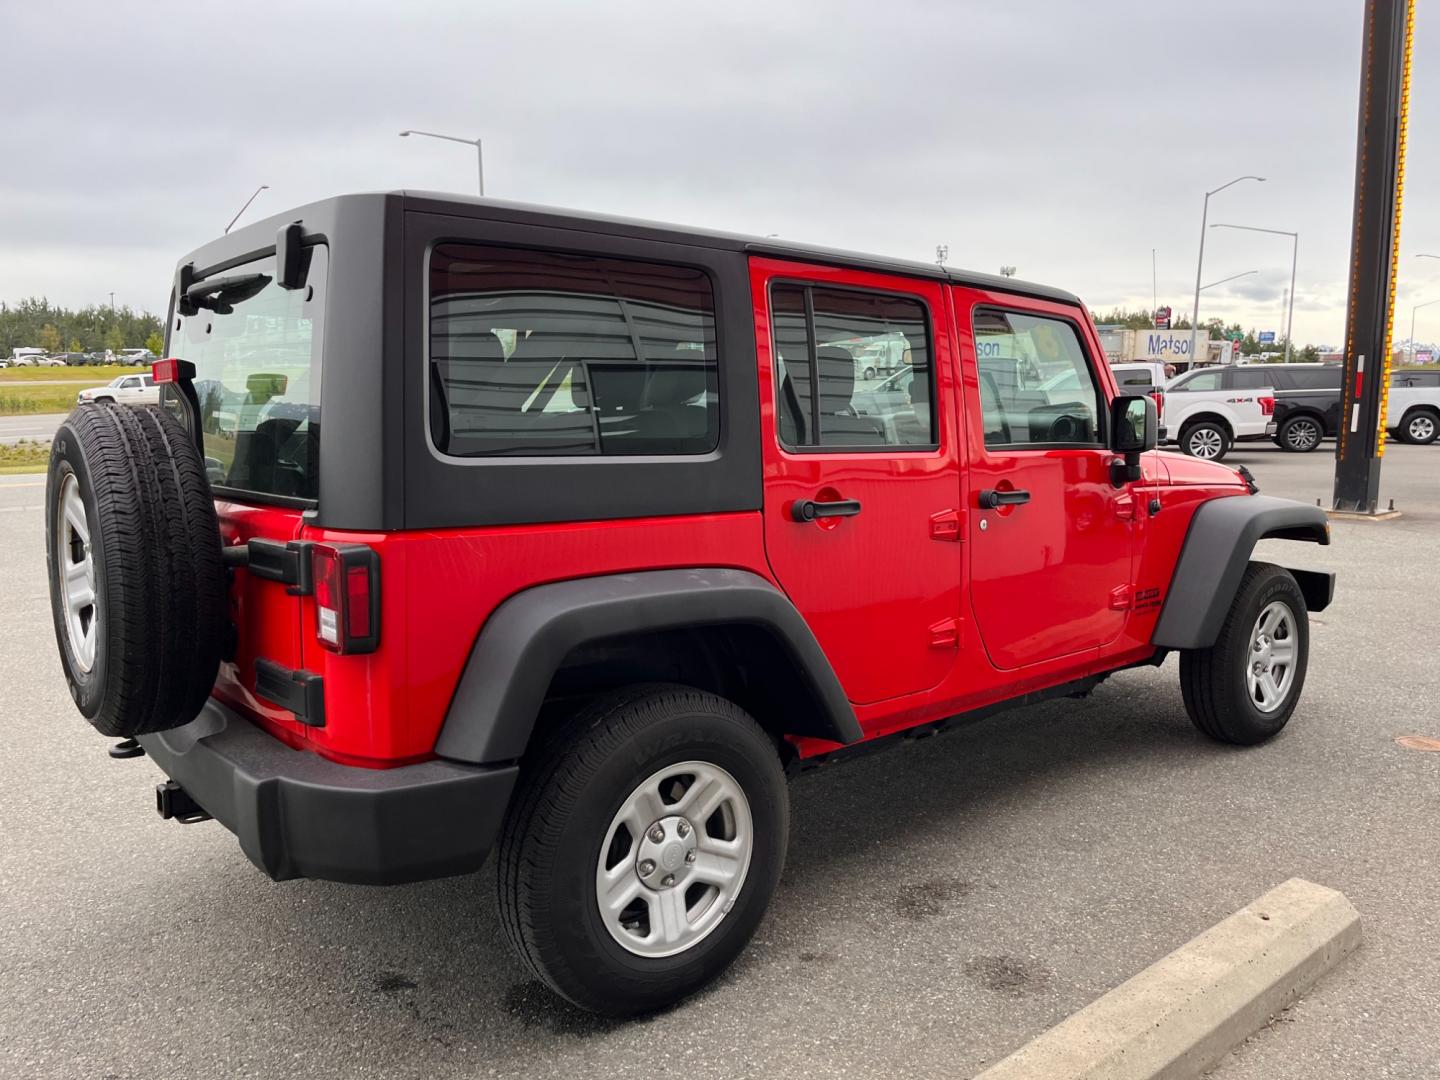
x=137 y=585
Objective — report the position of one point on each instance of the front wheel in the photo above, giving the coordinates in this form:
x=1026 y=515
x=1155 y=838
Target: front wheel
x=1243 y=688
x=643 y=848
x=1300 y=435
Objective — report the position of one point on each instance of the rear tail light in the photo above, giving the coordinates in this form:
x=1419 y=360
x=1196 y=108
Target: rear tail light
x=1267 y=406
x=347 y=597
x=1159 y=397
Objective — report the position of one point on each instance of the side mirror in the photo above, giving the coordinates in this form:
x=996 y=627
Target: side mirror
x=1134 y=429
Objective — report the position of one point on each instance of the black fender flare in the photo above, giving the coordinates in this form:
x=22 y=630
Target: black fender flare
x=525 y=639
x=1217 y=548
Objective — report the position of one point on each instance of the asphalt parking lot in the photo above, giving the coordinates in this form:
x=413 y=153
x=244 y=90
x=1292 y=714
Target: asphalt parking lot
x=943 y=902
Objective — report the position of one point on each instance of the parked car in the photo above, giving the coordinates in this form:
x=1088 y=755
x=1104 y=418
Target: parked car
x=1413 y=408
x=1206 y=413
x=546 y=602
x=135 y=356
x=62 y=360
x=123 y=389
x=1307 y=401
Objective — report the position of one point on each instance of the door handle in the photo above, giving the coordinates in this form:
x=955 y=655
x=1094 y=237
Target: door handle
x=990 y=498
x=808 y=509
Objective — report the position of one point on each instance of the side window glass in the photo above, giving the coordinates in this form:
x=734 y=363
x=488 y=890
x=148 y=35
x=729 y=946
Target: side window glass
x=1036 y=385
x=1251 y=379
x=541 y=353
x=852 y=368
x=1205 y=380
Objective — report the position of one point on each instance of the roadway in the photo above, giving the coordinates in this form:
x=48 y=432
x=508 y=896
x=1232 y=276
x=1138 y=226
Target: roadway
x=943 y=902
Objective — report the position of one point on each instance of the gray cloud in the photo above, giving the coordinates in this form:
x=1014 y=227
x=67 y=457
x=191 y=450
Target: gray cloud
x=1066 y=139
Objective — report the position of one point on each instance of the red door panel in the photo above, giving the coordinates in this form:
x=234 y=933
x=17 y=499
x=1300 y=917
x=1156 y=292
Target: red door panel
x=1049 y=577
x=879 y=590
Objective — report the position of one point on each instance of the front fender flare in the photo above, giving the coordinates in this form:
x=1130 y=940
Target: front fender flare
x=1217 y=548
x=526 y=639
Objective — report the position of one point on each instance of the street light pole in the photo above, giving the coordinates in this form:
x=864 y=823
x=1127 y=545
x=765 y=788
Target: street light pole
x=242 y=209
x=1223 y=280
x=1294 y=262
x=1200 y=262
x=479 y=150
x=1413 y=312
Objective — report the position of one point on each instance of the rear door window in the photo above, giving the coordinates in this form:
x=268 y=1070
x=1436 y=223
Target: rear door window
x=549 y=353
x=1200 y=380
x=257 y=376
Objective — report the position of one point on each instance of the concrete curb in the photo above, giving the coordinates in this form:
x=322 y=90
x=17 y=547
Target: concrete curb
x=1184 y=1013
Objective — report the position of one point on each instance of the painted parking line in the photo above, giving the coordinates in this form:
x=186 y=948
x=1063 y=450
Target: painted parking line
x=17 y=509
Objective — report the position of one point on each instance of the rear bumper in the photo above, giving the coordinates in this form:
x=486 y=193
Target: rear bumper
x=297 y=814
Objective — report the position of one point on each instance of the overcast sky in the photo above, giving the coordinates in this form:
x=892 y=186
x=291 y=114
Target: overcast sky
x=1067 y=139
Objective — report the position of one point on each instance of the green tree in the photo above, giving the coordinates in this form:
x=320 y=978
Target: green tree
x=155 y=343
x=50 y=338
x=115 y=339
x=75 y=345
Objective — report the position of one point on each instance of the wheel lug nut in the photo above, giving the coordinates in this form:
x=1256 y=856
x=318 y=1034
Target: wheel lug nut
x=656 y=834
x=647 y=867
x=668 y=880
x=690 y=856
x=683 y=829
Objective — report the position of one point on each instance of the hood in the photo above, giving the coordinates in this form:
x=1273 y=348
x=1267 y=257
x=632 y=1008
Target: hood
x=1182 y=469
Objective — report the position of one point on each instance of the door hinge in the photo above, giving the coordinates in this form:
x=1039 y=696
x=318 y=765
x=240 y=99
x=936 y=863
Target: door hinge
x=946 y=525
x=945 y=634
x=1120 y=597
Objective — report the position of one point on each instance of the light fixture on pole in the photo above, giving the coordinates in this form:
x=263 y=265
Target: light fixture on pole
x=479 y=152
x=1294 y=261
x=942 y=252
x=1200 y=262
x=1007 y=271
x=1424 y=256
x=242 y=209
x=1413 y=311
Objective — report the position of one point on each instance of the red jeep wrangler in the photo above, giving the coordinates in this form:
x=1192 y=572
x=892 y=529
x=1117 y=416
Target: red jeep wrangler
x=468 y=525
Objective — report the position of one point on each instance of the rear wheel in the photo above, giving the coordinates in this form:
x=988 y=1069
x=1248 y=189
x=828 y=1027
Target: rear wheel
x=1244 y=688
x=1205 y=439
x=1300 y=434
x=643 y=848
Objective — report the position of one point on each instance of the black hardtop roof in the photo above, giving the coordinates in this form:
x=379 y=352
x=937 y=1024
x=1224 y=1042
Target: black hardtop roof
x=256 y=236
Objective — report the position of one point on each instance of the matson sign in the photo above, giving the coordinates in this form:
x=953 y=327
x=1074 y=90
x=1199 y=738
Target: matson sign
x=1165 y=344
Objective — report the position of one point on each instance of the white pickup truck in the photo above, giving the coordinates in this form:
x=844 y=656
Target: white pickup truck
x=1413 y=411
x=1207 y=412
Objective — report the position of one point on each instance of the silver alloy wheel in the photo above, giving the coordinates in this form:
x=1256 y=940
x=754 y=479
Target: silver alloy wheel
x=1303 y=434
x=76 y=566
x=1270 y=667
x=1421 y=428
x=674 y=859
x=1205 y=443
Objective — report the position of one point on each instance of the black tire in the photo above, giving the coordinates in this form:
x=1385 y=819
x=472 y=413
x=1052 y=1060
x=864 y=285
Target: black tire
x=869 y=373
x=1213 y=681
x=1420 y=427
x=570 y=792
x=158 y=581
x=1197 y=439
x=1300 y=434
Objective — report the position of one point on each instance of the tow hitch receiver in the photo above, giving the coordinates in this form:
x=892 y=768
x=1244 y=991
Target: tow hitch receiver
x=173 y=802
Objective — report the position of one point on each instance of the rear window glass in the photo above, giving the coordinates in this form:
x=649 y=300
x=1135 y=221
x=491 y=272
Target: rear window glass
x=1253 y=379
x=544 y=353
x=257 y=376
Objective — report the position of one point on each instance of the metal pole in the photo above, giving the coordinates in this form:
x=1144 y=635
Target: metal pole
x=1200 y=262
x=1154 y=288
x=479 y=151
x=1290 y=318
x=1413 y=312
x=480 y=160
x=1379 y=183
x=242 y=209
x=1199 y=267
